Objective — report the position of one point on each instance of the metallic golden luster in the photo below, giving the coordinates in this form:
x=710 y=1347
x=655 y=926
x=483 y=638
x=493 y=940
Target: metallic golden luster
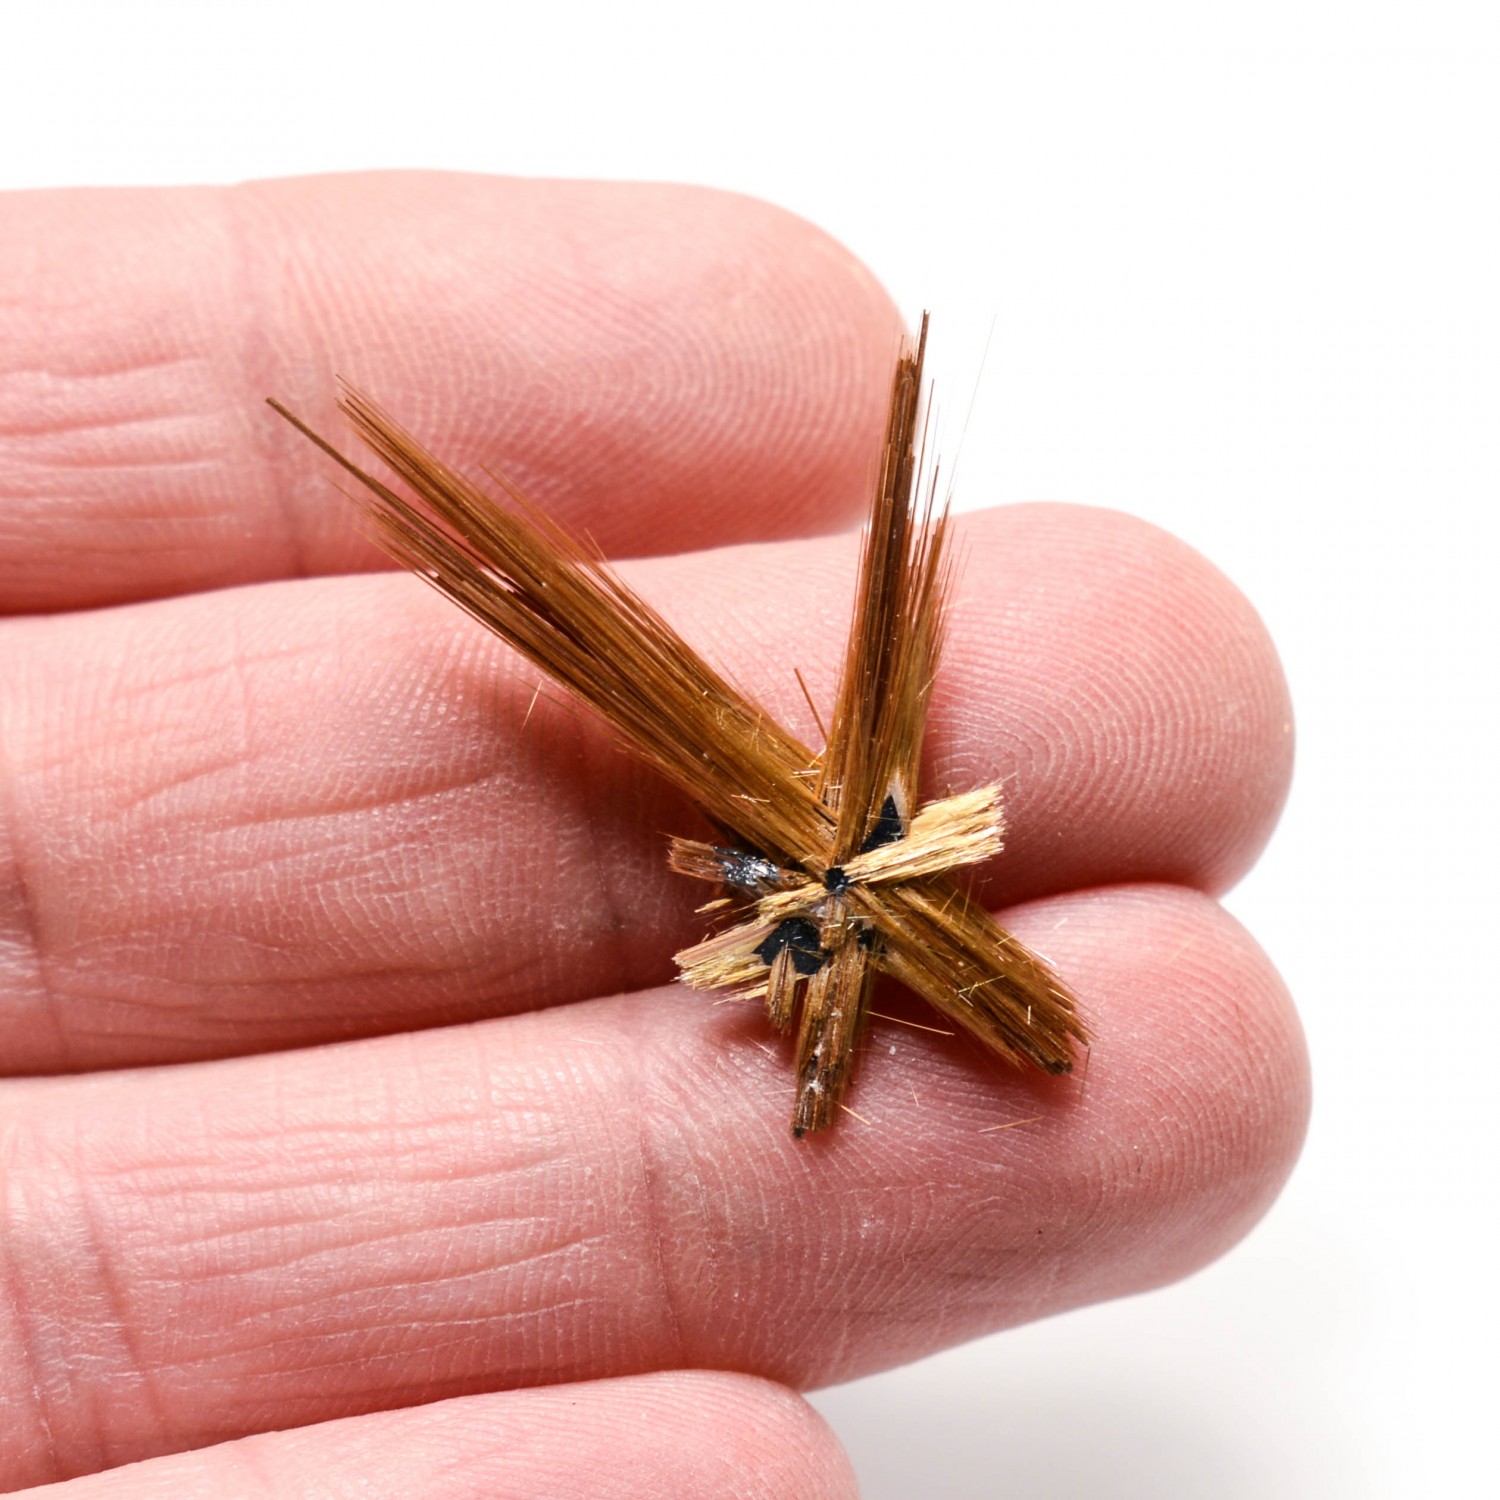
x=896 y=907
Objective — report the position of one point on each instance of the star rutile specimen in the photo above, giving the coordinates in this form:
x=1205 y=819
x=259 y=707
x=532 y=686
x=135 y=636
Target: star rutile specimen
x=830 y=869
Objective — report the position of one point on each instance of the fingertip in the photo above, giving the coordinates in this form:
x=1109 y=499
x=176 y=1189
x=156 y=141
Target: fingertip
x=1128 y=693
x=664 y=367
x=667 y=367
x=960 y=1197
x=1191 y=1107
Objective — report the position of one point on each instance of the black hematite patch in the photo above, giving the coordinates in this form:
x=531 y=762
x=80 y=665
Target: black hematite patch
x=888 y=828
x=799 y=936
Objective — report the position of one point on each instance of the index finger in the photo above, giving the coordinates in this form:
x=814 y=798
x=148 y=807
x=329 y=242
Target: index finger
x=667 y=368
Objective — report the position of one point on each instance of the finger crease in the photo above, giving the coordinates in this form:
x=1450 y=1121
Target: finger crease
x=20 y=907
x=259 y=377
x=124 y=1326
x=13 y=1289
x=654 y=1228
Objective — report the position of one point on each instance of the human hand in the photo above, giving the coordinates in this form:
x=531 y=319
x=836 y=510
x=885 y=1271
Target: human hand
x=278 y=826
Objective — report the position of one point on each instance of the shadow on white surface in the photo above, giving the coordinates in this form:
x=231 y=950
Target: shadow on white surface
x=1202 y=1391
x=1055 y=1441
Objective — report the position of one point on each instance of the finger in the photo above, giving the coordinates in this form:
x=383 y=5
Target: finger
x=653 y=1437
x=611 y=1187
x=668 y=367
x=288 y=814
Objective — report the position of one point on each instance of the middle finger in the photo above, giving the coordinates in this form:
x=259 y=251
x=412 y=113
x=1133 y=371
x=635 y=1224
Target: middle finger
x=302 y=811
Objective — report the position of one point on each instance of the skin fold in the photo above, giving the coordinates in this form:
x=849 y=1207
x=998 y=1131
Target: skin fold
x=346 y=1088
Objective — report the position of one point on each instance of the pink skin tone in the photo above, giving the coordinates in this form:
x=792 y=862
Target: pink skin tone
x=272 y=824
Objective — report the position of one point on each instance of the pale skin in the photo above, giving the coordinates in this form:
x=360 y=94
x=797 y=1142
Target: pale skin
x=354 y=1137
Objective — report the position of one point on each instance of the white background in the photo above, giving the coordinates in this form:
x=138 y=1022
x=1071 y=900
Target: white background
x=1242 y=265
